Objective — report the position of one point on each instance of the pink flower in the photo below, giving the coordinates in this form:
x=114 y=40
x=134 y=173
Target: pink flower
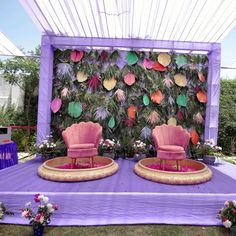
x=37 y=197
x=153 y=118
x=120 y=95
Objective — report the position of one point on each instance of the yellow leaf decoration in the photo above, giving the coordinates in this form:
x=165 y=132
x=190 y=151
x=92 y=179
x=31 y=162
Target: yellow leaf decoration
x=180 y=80
x=164 y=59
x=81 y=76
x=172 y=121
x=109 y=84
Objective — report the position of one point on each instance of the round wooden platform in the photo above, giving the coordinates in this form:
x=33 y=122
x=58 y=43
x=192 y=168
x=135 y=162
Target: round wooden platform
x=201 y=175
x=48 y=171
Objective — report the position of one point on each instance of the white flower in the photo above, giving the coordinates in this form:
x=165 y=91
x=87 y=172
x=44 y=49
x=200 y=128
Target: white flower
x=234 y=203
x=227 y=224
x=41 y=219
x=1 y=215
x=50 y=208
x=45 y=199
x=226 y=203
x=24 y=213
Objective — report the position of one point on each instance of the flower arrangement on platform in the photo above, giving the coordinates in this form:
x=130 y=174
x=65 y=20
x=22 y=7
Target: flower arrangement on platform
x=139 y=147
x=4 y=211
x=42 y=216
x=110 y=147
x=228 y=214
x=49 y=148
x=208 y=148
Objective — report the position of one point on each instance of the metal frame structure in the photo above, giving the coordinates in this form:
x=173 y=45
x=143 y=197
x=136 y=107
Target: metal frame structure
x=48 y=44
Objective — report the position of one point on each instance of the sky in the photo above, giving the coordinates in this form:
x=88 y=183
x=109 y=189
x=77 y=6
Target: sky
x=21 y=30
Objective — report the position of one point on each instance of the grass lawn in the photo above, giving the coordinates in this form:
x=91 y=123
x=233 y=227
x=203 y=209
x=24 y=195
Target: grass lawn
x=118 y=230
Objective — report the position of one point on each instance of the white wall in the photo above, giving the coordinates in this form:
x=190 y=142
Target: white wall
x=10 y=94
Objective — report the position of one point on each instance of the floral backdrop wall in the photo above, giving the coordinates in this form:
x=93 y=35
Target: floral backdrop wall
x=129 y=93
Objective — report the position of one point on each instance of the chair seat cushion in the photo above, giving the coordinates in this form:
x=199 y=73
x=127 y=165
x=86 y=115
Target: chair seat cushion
x=77 y=153
x=171 y=148
x=82 y=145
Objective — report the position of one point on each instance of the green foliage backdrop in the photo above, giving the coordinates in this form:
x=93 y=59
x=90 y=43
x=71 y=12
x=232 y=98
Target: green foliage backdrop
x=127 y=112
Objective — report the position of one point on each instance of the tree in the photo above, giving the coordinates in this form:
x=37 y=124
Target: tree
x=227 y=116
x=24 y=72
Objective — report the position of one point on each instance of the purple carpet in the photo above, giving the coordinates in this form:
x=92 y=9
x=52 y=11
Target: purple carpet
x=123 y=198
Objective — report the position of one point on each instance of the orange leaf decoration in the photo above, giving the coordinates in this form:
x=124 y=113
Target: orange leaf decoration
x=157 y=96
x=194 y=136
x=201 y=77
x=129 y=79
x=132 y=112
x=157 y=66
x=202 y=97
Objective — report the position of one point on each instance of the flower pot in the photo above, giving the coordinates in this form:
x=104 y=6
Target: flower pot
x=38 y=231
x=233 y=230
x=209 y=160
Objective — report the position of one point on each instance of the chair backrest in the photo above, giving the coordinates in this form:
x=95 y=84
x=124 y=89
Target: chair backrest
x=170 y=135
x=84 y=132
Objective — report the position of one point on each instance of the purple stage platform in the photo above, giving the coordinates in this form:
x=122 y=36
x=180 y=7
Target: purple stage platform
x=123 y=198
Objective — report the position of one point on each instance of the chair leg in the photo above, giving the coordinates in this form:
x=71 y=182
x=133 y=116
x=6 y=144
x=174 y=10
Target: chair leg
x=73 y=162
x=177 y=162
x=92 y=162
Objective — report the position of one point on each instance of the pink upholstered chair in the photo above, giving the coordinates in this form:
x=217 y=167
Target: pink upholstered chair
x=171 y=142
x=82 y=140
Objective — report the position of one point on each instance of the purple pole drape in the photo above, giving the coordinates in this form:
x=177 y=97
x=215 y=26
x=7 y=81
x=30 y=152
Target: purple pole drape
x=45 y=89
x=46 y=73
x=213 y=94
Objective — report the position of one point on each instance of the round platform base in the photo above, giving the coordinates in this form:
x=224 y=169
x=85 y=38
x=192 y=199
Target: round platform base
x=49 y=171
x=201 y=174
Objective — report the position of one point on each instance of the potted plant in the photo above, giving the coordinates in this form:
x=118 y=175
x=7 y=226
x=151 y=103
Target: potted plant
x=139 y=150
x=42 y=216
x=208 y=151
x=228 y=215
x=49 y=148
x=107 y=148
x=4 y=211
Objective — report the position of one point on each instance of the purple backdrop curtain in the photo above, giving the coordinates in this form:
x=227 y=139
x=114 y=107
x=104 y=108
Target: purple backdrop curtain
x=46 y=73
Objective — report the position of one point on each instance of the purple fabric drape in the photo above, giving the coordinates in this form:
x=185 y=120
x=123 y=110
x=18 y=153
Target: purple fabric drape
x=8 y=155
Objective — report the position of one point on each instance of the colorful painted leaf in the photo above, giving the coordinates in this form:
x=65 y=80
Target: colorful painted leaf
x=180 y=116
x=181 y=61
x=172 y=121
x=157 y=66
x=75 y=109
x=180 y=80
x=147 y=63
x=131 y=58
x=129 y=79
x=157 y=96
x=132 y=112
x=109 y=84
x=181 y=100
x=81 y=76
x=201 y=77
x=146 y=100
x=56 y=104
x=76 y=56
x=202 y=97
x=164 y=59
x=198 y=118
x=94 y=82
x=194 y=136
x=111 y=123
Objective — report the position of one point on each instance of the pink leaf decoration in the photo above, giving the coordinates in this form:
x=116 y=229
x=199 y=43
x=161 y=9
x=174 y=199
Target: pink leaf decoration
x=198 y=118
x=153 y=118
x=64 y=92
x=147 y=63
x=180 y=116
x=56 y=104
x=120 y=95
x=129 y=79
x=76 y=56
x=94 y=82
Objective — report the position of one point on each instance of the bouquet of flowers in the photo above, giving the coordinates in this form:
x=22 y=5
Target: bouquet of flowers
x=207 y=148
x=49 y=147
x=42 y=216
x=107 y=145
x=139 y=147
x=228 y=214
x=4 y=211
